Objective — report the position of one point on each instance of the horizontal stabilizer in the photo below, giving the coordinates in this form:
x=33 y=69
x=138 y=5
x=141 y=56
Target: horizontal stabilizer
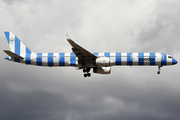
x=12 y=54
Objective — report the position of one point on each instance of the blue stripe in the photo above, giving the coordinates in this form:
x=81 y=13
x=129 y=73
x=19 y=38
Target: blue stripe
x=39 y=59
x=16 y=60
x=118 y=58
x=17 y=46
x=28 y=59
x=7 y=36
x=28 y=56
x=61 y=59
x=129 y=60
x=50 y=59
x=28 y=51
x=73 y=59
x=140 y=58
x=107 y=55
x=164 y=61
x=96 y=54
x=152 y=58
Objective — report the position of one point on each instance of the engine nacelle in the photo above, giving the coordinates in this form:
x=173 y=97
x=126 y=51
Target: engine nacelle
x=102 y=70
x=103 y=61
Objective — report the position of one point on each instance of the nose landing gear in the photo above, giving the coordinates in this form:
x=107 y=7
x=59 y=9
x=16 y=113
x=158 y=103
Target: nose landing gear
x=159 y=69
x=86 y=72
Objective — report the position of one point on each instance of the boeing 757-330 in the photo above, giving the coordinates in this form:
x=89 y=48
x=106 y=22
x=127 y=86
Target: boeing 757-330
x=82 y=59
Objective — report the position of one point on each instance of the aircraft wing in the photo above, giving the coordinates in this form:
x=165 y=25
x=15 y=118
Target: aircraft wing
x=80 y=52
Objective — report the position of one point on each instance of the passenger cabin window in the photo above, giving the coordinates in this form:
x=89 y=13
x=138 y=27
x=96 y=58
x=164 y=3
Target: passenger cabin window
x=169 y=57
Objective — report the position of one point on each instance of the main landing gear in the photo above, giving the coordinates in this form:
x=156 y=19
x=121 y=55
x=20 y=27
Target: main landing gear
x=159 y=69
x=86 y=72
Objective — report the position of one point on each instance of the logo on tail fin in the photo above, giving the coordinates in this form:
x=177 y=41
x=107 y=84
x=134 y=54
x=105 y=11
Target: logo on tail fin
x=12 y=40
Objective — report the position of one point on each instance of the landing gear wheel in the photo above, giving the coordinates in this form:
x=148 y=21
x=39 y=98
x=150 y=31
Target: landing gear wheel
x=89 y=74
x=85 y=75
x=159 y=69
x=86 y=72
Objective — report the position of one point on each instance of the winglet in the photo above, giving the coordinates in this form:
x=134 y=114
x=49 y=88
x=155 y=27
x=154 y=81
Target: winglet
x=67 y=36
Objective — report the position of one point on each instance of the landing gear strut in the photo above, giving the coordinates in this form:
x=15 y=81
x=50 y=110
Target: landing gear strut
x=159 y=69
x=86 y=72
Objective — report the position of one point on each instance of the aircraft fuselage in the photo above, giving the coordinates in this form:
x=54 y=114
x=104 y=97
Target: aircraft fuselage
x=70 y=59
x=82 y=59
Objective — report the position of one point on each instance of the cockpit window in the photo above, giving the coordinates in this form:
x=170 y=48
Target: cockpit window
x=169 y=57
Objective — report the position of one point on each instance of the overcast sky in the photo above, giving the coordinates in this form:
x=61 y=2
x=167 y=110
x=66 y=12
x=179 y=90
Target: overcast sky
x=62 y=93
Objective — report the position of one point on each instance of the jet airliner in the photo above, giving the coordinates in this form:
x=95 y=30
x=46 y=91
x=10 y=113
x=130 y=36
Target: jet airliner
x=82 y=59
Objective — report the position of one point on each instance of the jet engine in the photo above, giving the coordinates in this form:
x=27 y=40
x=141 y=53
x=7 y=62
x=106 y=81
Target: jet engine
x=102 y=70
x=103 y=61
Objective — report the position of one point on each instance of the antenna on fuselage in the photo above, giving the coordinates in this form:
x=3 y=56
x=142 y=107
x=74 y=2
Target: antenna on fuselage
x=67 y=35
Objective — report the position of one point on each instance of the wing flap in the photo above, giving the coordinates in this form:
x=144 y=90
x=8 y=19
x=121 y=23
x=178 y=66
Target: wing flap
x=12 y=54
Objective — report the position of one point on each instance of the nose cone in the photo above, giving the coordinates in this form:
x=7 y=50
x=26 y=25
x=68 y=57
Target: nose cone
x=174 y=61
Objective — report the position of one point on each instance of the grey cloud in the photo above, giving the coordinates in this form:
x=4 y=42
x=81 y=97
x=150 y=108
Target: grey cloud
x=30 y=105
x=161 y=34
x=10 y=2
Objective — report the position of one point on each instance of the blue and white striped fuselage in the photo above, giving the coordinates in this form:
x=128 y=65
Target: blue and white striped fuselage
x=83 y=59
x=70 y=59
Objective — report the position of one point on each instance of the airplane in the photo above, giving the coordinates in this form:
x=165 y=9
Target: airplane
x=82 y=59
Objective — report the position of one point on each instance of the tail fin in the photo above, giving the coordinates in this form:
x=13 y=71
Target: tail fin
x=16 y=46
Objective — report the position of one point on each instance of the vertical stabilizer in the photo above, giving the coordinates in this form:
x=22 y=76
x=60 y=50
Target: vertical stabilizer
x=15 y=45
